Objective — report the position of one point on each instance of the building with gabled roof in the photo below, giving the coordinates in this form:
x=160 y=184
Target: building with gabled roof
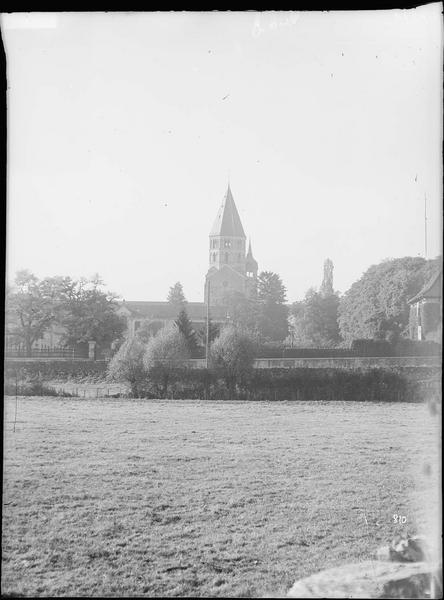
x=426 y=311
x=231 y=270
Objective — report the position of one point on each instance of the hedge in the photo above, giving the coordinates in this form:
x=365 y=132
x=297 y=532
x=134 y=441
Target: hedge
x=378 y=385
x=52 y=370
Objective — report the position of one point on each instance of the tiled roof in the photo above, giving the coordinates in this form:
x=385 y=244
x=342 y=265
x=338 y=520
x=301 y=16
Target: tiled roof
x=228 y=221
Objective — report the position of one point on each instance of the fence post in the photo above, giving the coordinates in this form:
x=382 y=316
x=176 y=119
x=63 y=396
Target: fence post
x=92 y=350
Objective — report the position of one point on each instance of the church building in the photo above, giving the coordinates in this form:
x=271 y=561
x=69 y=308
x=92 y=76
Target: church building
x=232 y=270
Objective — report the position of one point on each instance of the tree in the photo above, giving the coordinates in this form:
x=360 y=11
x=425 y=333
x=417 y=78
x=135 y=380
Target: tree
x=127 y=365
x=88 y=313
x=164 y=354
x=30 y=309
x=314 y=321
x=214 y=331
x=243 y=312
x=176 y=297
x=375 y=307
x=273 y=312
x=232 y=355
x=186 y=329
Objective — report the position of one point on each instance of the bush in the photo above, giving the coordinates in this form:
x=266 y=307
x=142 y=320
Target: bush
x=269 y=350
x=232 y=356
x=317 y=353
x=164 y=355
x=53 y=370
x=417 y=348
x=364 y=347
x=127 y=365
x=36 y=388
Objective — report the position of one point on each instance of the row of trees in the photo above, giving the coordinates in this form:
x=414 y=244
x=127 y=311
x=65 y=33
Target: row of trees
x=375 y=307
x=263 y=317
x=81 y=307
x=155 y=361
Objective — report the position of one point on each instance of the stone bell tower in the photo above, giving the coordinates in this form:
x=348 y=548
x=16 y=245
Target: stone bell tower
x=230 y=268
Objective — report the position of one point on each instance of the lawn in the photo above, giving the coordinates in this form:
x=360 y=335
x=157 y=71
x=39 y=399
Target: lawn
x=173 y=498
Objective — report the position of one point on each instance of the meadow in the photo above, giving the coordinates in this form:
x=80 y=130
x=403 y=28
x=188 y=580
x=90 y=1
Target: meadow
x=112 y=497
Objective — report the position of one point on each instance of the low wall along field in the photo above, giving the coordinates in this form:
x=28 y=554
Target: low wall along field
x=182 y=498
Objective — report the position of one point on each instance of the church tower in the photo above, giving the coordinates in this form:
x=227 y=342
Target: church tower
x=231 y=270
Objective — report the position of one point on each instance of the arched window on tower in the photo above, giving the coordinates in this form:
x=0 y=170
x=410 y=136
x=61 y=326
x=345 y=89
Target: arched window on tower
x=226 y=257
x=214 y=256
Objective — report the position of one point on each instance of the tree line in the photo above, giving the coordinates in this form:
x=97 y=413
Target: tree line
x=81 y=307
x=375 y=307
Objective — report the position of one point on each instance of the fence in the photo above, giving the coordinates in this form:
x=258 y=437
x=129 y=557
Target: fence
x=88 y=390
x=49 y=353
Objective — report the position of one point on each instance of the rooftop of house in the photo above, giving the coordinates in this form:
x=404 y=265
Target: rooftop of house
x=432 y=289
x=165 y=310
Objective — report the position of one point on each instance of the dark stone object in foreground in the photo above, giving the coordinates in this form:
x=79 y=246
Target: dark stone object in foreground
x=403 y=570
x=371 y=579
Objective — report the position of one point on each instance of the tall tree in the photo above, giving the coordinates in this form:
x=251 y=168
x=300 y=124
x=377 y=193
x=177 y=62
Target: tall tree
x=243 y=313
x=176 y=297
x=30 y=309
x=375 y=306
x=273 y=312
x=314 y=321
x=214 y=331
x=186 y=329
x=89 y=314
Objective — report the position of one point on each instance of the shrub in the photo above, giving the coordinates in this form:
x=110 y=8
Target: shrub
x=232 y=356
x=165 y=353
x=127 y=365
x=364 y=347
x=52 y=370
x=417 y=348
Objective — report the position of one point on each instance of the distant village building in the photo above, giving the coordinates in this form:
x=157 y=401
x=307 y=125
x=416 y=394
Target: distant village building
x=232 y=269
x=426 y=311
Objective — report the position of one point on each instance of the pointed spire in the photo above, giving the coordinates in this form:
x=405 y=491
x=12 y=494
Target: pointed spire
x=228 y=221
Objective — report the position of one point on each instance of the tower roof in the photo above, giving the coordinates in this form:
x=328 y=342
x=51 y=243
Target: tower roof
x=228 y=221
x=251 y=262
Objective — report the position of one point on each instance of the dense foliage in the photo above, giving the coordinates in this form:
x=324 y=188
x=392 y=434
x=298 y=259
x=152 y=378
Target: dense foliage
x=232 y=355
x=376 y=305
x=86 y=312
x=164 y=353
x=314 y=320
x=176 y=297
x=127 y=365
x=273 y=312
x=30 y=309
x=89 y=313
x=186 y=329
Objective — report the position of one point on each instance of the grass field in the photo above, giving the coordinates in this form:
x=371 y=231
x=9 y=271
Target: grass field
x=122 y=497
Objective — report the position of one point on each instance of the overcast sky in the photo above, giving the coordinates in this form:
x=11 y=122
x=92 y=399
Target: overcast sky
x=124 y=128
